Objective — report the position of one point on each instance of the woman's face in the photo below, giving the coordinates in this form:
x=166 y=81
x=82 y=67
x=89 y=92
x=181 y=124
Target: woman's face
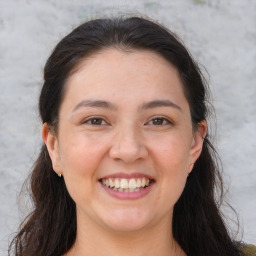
x=125 y=143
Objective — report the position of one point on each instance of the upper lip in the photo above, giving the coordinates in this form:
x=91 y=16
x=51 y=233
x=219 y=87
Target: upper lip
x=123 y=175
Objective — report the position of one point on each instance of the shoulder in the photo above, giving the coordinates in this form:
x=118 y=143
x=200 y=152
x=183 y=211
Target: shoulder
x=249 y=250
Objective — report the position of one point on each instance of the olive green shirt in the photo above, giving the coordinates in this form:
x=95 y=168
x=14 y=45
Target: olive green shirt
x=249 y=250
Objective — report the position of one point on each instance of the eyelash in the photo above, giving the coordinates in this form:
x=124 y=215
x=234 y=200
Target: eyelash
x=91 y=119
x=100 y=121
x=163 y=120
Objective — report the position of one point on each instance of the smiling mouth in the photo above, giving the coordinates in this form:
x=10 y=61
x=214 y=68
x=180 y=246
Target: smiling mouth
x=126 y=185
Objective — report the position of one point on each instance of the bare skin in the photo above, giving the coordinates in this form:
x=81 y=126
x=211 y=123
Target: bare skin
x=124 y=116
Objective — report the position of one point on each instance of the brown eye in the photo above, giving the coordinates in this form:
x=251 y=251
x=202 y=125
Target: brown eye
x=159 y=121
x=95 y=121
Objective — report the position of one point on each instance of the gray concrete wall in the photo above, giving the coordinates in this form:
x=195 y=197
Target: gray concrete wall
x=220 y=34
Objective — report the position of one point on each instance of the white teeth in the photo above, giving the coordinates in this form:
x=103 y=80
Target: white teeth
x=143 y=182
x=111 y=183
x=116 y=184
x=139 y=183
x=132 y=183
x=126 y=185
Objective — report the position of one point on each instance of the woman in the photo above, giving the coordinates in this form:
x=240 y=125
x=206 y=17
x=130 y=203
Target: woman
x=127 y=167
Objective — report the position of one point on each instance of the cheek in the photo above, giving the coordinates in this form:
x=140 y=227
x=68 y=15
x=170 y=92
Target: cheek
x=80 y=157
x=172 y=159
x=172 y=152
x=80 y=152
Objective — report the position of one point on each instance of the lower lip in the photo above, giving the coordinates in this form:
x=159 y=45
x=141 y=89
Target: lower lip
x=128 y=195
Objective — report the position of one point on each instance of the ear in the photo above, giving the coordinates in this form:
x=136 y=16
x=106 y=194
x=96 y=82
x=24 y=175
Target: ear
x=197 y=143
x=51 y=142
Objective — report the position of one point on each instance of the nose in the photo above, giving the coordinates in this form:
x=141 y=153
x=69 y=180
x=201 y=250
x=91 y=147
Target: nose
x=128 y=146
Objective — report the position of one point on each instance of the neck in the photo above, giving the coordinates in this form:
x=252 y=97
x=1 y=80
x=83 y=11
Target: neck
x=158 y=240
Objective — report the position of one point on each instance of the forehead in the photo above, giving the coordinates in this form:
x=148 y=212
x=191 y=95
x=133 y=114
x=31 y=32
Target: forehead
x=115 y=74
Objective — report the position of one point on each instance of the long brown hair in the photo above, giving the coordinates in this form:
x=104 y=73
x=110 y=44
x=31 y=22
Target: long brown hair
x=198 y=226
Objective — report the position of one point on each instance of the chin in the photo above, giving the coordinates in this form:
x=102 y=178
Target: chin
x=127 y=220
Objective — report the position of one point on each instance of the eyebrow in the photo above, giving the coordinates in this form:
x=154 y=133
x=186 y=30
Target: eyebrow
x=94 y=104
x=160 y=103
x=108 y=105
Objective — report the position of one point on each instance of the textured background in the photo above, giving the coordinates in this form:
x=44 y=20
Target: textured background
x=220 y=34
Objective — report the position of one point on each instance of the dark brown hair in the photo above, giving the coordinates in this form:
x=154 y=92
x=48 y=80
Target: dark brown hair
x=198 y=226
